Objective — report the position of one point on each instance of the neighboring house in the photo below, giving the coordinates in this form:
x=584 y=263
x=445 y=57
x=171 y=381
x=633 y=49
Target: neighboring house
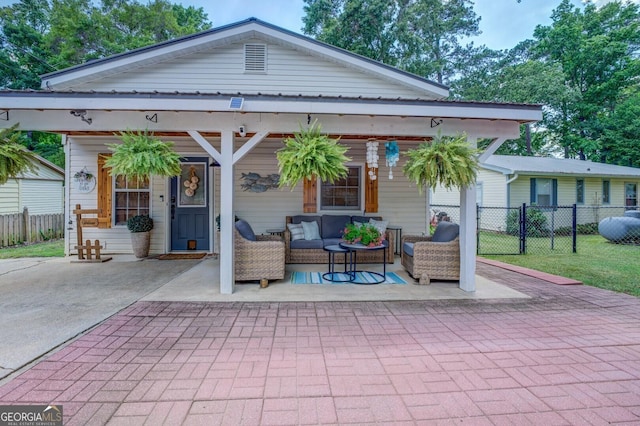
x=227 y=97
x=41 y=191
x=510 y=181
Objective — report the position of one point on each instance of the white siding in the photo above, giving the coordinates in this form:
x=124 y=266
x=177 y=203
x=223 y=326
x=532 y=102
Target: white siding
x=398 y=200
x=84 y=153
x=289 y=72
x=42 y=196
x=10 y=197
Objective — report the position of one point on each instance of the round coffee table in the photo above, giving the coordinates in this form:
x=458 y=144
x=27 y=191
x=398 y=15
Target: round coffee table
x=353 y=262
x=331 y=275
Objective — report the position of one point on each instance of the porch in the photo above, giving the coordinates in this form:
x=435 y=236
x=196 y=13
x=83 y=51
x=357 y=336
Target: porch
x=201 y=283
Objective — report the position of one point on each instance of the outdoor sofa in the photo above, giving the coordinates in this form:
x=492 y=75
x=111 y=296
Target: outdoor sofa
x=330 y=229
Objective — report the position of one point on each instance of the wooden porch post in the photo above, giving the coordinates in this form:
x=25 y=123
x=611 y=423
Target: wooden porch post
x=227 y=271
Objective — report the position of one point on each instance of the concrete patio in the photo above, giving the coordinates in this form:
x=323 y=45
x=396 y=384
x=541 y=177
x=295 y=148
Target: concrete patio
x=560 y=355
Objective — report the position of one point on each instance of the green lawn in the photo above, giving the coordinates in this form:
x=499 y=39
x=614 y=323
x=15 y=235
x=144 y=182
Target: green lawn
x=53 y=248
x=598 y=263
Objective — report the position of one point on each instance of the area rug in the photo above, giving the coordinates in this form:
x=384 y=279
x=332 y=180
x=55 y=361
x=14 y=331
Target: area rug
x=181 y=256
x=361 y=278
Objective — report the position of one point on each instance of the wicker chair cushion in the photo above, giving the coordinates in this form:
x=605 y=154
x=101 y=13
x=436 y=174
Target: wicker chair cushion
x=245 y=230
x=297 y=233
x=307 y=244
x=311 y=230
x=445 y=232
x=408 y=249
x=333 y=225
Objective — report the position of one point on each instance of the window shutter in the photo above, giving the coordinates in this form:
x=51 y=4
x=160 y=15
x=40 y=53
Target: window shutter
x=554 y=192
x=310 y=194
x=370 y=193
x=532 y=191
x=105 y=190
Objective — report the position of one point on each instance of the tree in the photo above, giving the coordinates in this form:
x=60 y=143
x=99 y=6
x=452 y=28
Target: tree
x=597 y=50
x=621 y=131
x=14 y=157
x=419 y=36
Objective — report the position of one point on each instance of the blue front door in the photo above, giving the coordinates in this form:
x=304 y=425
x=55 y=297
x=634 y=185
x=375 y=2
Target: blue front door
x=190 y=206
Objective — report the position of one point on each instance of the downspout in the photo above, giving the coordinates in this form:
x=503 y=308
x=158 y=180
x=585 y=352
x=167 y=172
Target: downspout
x=515 y=176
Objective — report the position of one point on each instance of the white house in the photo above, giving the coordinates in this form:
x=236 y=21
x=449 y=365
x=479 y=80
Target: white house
x=41 y=190
x=227 y=97
x=510 y=181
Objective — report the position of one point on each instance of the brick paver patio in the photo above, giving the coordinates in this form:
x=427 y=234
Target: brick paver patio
x=569 y=355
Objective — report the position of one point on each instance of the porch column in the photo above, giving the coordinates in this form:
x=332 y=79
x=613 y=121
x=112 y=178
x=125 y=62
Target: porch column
x=227 y=272
x=468 y=238
x=468 y=224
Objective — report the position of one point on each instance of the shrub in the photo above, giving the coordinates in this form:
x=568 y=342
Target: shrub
x=536 y=223
x=140 y=223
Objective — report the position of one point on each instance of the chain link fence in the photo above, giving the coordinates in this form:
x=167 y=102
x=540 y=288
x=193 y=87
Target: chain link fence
x=544 y=229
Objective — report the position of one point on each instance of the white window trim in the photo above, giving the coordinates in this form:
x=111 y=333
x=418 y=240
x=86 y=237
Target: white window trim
x=584 y=191
x=114 y=191
x=608 y=202
x=319 y=208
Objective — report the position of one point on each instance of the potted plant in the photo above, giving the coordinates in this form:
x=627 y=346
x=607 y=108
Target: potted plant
x=140 y=156
x=140 y=227
x=365 y=234
x=309 y=153
x=448 y=161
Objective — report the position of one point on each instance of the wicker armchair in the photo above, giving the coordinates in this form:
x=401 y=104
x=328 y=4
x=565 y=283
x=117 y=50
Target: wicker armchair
x=426 y=260
x=262 y=258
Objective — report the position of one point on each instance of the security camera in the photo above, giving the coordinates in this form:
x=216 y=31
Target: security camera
x=242 y=131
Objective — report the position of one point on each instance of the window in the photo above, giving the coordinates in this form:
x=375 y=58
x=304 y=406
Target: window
x=606 y=192
x=343 y=194
x=544 y=192
x=132 y=197
x=630 y=195
x=580 y=191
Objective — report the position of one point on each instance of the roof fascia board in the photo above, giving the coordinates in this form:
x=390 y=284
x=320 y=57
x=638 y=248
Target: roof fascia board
x=129 y=103
x=231 y=34
x=145 y=55
x=355 y=61
x=498 y=169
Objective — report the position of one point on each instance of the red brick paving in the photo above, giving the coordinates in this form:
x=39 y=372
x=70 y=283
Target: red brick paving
x=568 y=355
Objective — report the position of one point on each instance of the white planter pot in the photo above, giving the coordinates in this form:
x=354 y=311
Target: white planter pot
x=140 y=242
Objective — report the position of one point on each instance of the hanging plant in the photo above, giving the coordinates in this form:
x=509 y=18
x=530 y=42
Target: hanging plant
x=15 y=158
x=310 y=153
x=448 y=161
x=142 y=155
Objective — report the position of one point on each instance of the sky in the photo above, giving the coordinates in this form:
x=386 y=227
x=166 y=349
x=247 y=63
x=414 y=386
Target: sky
x=503 y=23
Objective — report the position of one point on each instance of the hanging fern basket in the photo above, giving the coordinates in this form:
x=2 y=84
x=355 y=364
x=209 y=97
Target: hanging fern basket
x=447 y=161
x=309 y=153
x=142 y=155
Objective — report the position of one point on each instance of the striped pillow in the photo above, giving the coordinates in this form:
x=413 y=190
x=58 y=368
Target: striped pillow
x=297 y=233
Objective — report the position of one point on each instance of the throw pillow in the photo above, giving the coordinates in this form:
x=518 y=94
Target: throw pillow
x=297 y=233
x=380 y=224
x=245 y=230
x=311 y=230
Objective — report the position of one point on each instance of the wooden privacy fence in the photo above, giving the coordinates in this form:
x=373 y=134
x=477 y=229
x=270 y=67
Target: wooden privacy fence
x=19 y=228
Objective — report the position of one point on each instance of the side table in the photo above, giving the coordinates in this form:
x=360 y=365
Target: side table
x=398 y=230
x=331 y=275
x=276 y=231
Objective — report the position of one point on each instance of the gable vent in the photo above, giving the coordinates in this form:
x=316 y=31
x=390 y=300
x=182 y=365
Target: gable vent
x=255 y=57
